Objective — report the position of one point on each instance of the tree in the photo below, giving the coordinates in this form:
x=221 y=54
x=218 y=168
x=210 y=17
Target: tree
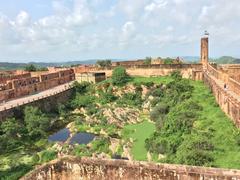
x=10 y=128
x=147 y=61
x=37 y=122
x=119 y=76
x=196 y=150
x=104 y=63
x=176 y=75
x=31 y=68
x=168 y=61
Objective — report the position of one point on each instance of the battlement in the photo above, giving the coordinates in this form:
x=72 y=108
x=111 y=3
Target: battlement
x=18 y=85
x=89 y=168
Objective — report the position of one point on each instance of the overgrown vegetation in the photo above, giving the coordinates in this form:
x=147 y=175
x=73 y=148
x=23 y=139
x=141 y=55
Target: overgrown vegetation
x=104 y=63
x=33 y=68
x=171 y=119
x=119 y=76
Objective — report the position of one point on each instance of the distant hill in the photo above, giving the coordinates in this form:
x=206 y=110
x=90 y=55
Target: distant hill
x=187 y=59
x=190 y=59
x=12 y=66
x=227 y=60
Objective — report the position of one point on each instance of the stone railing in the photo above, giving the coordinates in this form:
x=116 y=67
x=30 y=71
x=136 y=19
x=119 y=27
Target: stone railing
x=89 y=168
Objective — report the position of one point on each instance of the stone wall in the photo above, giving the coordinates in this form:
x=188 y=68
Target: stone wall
x=7 y=77
x=228 y=102
x=30 y=85
x=46 y=104
x=72 y=168
x=191 y=71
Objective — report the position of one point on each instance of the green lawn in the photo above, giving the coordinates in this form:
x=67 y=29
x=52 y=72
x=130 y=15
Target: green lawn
x=140 y=132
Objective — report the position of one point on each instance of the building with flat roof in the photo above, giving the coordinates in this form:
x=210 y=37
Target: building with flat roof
x=92 y=77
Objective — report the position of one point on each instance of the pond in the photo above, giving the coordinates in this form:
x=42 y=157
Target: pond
x=82 y=138
x=61 y=135
x=64 y=134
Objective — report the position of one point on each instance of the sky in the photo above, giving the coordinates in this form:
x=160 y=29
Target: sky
x=68 y=30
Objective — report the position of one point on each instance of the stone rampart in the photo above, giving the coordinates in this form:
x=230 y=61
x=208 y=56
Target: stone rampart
x=31 y=85
x=192 y=71
x=72 y=168
x=8 y=77
x=46 y=103
x=229 y=102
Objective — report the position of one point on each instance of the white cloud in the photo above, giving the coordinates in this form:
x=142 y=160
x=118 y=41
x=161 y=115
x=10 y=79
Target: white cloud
x=89 y=28
x=23 y=19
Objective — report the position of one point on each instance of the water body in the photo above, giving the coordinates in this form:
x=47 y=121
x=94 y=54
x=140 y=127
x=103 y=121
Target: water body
x=61 y=135
x=82 y=138
x=64 y=134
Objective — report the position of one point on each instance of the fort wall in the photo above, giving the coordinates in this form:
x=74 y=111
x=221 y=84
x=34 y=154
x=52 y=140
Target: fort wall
x=70 y=168
x=24 y=84
x=228 y=100
x=45 y=103
x=191 y=71
x=9 y=76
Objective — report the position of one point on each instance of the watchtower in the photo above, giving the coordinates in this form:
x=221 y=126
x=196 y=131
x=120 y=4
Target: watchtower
x=204 y=48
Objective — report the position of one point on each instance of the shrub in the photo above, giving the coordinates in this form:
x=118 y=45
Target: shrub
x=119 y=76
x=47 y=156
x=159 y=111
x=101 y=145
x=82 y=101
x=195 y=150
x=37 y=123
x=81 y=87
x=31 y=68
x=176 y=75
x=107 y=98
x=81 y=150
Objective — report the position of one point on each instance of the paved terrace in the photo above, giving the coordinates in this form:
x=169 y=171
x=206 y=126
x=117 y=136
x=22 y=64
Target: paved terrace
x=34 y=97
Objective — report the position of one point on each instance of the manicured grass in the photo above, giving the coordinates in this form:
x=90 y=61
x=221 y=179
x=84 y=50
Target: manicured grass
x=140 y=132
x=227 y=153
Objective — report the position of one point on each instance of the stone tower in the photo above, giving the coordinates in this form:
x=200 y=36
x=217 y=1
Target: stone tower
x=204 y=50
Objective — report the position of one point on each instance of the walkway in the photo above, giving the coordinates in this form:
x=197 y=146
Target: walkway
x=221 y=85
x=31 y=98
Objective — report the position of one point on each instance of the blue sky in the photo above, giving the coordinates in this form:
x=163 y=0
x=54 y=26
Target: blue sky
x=63 y=30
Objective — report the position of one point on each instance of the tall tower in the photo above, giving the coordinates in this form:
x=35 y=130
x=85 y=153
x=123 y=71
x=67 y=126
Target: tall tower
x=204 y=49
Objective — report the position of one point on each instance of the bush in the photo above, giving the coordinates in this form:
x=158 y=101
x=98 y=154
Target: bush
x=176 y=75
x=101 y=145
x=35 y=159
x=81 y=150
x=82 y=101
x=131 y=99
x=159 y=111
x=47 y=156
x=37 y=123
x=81 y=88
x=107 y=97
x=195 y=150
x=31 y=68
x=119 y=76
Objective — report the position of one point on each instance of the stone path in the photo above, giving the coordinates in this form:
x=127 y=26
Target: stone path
x=31 y=98
x=221 y=85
